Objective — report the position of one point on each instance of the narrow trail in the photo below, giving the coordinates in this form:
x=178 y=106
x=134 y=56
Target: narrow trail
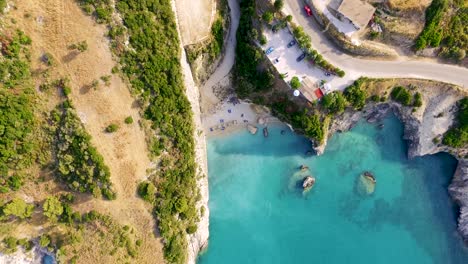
x=403 y=67
x=52 y=26
x=209 y=99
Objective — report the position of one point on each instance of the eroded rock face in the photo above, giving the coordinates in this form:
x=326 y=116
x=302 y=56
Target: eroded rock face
x=458 y=189
x=421 y=127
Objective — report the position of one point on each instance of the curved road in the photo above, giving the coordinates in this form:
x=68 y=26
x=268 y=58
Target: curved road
x=404 y=67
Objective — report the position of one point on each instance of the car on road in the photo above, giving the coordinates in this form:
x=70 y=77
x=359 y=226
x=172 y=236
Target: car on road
x=301 y=57
x=269 y=50
x=291 y=43
x=308 y=10
x=327 y=74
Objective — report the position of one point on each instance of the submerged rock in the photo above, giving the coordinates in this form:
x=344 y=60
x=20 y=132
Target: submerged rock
x=366 y=184
x=304 y=167
x=252 y=129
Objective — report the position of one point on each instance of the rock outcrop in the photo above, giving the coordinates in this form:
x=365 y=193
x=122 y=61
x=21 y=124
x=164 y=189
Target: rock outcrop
x=252 y=129
x=308 y=183
x=423 y=129
x=458 y=189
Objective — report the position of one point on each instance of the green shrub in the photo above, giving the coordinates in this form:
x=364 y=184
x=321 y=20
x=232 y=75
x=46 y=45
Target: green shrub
x=457 y=136
x=11 y=244
x=267 y=16
x=19 y=208
x=3 y=4
x=311 y=125
x=15 y=182
x=355 y=95
x=278 y=4
x=401 y=95
x=334 y=102
x=263 y=40
x=44 y=241
x=128 y=120
x=147 y=191
x=295 y=83
x=417 y=100
x=112 y=128
x=81 y=46
x=52 y=208
x=192 y=229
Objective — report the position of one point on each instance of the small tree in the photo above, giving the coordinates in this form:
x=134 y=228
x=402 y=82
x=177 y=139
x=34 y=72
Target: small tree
x=289 y=18
x=52 y=208
x=278 y=5
x=267 y=16
x=295 y=83
x=18 y=208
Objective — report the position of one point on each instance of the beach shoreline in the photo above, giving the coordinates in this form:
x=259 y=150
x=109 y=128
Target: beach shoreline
x=230 y=116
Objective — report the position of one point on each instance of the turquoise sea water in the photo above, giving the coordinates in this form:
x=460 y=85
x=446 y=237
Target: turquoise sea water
x=259 y=216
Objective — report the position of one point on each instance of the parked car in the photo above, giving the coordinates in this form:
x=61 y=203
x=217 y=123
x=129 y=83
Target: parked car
x=291 y=43
x=308 y=10
x=301 y=57
x=269 y=50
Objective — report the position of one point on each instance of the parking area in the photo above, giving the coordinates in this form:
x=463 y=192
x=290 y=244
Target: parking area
x=285 y=59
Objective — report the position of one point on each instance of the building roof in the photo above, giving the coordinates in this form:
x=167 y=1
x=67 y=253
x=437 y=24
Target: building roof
x=359 y=12
x=307 y=89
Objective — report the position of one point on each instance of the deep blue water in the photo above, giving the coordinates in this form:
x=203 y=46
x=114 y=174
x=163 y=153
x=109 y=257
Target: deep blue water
x=258 y=215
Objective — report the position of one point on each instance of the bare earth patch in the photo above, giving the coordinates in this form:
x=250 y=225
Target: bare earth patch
x=53 y=25
x=195 y=18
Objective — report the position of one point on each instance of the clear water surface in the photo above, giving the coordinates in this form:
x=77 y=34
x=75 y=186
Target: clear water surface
x=258 y=215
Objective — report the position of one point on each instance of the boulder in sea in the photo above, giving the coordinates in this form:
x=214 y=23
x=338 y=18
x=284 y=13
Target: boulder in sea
x=366 y=184
x=308 y=183
x=252 y=129
x=261 y=121
x=304 y=167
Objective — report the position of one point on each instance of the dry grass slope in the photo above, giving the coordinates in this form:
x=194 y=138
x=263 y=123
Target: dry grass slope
x=53 y=25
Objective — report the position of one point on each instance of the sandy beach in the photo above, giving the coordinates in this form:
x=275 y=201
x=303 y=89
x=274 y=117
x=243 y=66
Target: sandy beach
x=232 y=115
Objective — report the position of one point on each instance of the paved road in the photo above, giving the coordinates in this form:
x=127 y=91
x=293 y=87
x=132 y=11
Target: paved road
x=404 y=67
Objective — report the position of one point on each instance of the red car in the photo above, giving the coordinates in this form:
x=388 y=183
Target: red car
x=308 y=11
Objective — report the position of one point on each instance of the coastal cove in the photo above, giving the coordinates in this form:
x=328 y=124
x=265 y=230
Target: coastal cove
x=258 y=215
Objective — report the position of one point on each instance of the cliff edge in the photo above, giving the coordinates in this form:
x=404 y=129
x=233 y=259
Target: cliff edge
x=423 y=129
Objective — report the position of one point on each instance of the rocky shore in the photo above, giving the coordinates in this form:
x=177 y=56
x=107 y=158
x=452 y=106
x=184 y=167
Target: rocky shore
x=423 y=129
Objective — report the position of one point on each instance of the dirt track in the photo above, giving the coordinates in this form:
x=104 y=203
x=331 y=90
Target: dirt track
x=53 y=25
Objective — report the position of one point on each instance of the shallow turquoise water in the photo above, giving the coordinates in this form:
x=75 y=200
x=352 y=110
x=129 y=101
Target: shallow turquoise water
x=259 y=216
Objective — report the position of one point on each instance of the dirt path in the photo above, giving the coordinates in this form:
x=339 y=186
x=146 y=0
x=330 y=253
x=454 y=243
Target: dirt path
x=209 y=99
x=55 y=24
